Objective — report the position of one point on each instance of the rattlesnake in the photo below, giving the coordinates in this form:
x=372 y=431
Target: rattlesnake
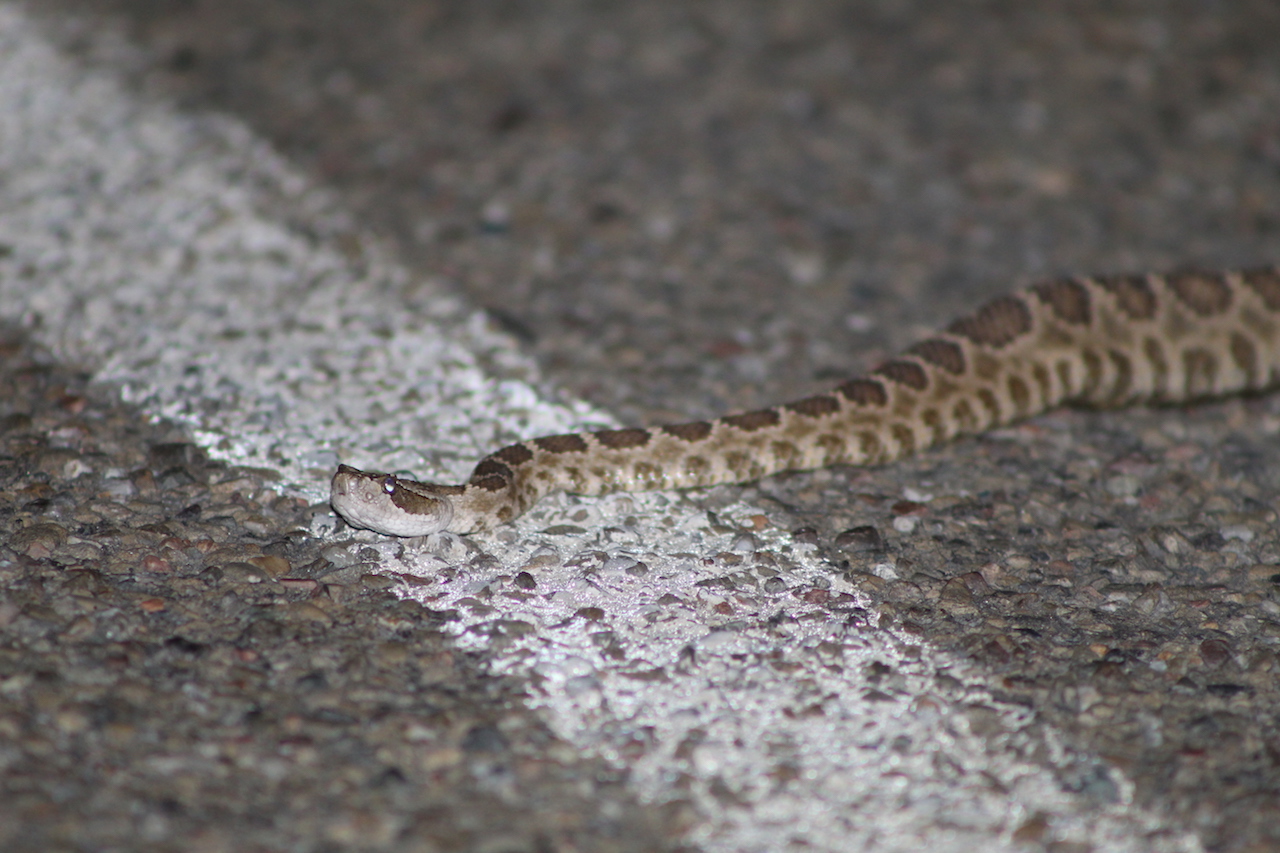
x=1096 y=341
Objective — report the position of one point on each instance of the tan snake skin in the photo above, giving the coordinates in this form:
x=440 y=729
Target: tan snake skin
x=1102 y=342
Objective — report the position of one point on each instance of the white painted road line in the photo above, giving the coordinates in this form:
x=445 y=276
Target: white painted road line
x=727 y=668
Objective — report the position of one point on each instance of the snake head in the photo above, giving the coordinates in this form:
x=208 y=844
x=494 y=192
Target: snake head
x=389 y=504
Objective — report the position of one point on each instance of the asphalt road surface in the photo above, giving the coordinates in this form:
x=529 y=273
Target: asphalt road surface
x=243 y=241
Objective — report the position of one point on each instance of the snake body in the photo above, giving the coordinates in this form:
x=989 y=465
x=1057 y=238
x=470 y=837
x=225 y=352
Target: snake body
x=1092 y=341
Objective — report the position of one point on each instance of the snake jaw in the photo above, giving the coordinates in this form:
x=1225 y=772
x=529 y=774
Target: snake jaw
x=388 y=504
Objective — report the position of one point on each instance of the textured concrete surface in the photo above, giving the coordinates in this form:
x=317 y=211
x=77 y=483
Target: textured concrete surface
x=678 y=209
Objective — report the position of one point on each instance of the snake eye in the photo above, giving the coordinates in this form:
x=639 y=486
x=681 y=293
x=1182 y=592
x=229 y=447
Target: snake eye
x=389 y=485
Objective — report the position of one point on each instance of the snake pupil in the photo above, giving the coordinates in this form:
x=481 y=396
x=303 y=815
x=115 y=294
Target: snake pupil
x=389 y=485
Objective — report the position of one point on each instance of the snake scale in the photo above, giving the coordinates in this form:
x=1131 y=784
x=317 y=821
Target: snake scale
x=1102 y=341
